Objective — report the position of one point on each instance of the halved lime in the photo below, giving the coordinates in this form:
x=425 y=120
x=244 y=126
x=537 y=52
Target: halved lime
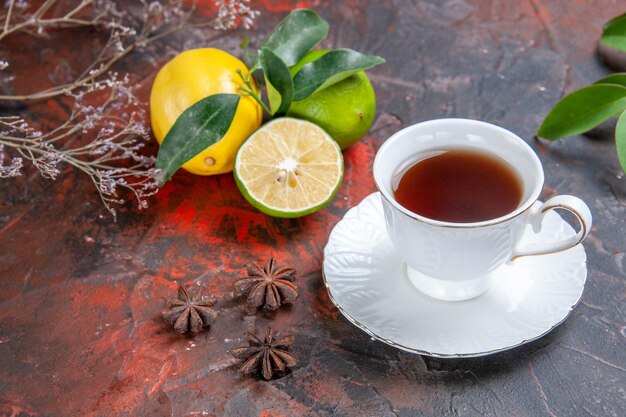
x=289 y=168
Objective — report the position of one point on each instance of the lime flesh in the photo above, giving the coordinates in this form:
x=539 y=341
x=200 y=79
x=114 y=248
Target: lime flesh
x=289 y=168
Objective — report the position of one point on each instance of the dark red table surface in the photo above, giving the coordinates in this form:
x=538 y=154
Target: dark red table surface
x=81 y=296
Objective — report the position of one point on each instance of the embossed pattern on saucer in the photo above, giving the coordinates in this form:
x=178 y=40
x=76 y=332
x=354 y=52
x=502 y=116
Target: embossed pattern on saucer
x=367 y=281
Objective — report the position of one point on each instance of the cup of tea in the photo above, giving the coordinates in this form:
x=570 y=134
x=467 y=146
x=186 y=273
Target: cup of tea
x=457 y=196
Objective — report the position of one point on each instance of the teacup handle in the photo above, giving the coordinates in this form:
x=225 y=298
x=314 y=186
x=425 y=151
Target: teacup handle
x=537 y=212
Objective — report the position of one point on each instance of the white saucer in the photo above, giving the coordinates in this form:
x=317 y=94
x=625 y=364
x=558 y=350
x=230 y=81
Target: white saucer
x=368 y=283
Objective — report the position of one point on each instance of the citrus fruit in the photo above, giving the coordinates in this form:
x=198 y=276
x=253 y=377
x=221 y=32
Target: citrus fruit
x=289 y=168
x=345 y=110
x=191 y=76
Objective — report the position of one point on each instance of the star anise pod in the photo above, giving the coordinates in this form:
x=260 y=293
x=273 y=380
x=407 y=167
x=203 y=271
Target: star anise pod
x=267 y=358
x=268 y=287
x=189 y=312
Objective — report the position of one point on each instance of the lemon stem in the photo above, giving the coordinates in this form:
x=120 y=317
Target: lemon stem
x=250 y=91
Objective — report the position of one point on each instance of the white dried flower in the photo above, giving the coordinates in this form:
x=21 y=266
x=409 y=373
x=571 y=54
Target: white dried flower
x=233 y=12
x=14 y=169
x=47 y=163
x=155 y=8
x=106 y=131
x=17 y=4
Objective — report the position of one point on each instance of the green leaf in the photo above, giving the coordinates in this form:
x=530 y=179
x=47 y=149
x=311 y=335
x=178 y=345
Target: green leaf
x=329 y=69
x=620 y=140
x=614 y=34
x=583 y=110
x=197 y=128
x=618 y=78
x=245 y=42
x=278 y=81
x=250 y=59
x=296 y=35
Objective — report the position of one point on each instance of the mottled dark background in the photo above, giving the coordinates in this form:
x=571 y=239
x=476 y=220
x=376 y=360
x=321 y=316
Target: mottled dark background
x=80 y=296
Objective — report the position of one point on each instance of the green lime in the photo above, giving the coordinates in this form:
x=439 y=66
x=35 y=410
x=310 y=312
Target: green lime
x=345 y=110
x=289 y=168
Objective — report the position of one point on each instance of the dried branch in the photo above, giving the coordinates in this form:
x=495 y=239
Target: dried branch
x=111 y=158
x=105 y=110
x=157 y=20
x=38 y=23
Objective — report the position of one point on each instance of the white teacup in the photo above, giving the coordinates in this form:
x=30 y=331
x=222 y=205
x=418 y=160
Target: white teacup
x=453 y=261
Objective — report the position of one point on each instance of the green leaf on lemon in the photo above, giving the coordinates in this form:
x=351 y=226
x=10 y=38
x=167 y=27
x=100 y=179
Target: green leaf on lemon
x=278 y=81
x=329 y=69
x=247 y=56
x=619 y=78
x=583 y=110
x=197 y=128
x=614 y=34
x=345 y=110
x=620 y=140
x=296 y=35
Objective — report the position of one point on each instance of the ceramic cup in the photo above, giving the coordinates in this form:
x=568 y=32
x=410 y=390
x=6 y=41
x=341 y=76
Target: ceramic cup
x=453 y=261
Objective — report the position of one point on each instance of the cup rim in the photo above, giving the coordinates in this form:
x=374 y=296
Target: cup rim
x=533 y=196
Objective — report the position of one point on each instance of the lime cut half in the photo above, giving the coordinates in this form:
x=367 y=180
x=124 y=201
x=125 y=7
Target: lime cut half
x=289 y=168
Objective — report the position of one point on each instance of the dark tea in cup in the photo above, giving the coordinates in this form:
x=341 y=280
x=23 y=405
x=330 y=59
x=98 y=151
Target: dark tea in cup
x=458 y=185
x=460 y=200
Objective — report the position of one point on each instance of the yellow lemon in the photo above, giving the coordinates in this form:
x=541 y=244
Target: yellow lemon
x=191 y=76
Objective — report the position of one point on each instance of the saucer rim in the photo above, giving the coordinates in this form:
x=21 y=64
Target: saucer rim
x=438 y=354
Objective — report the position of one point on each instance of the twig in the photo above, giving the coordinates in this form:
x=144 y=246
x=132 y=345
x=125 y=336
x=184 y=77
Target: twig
x=105 y=131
